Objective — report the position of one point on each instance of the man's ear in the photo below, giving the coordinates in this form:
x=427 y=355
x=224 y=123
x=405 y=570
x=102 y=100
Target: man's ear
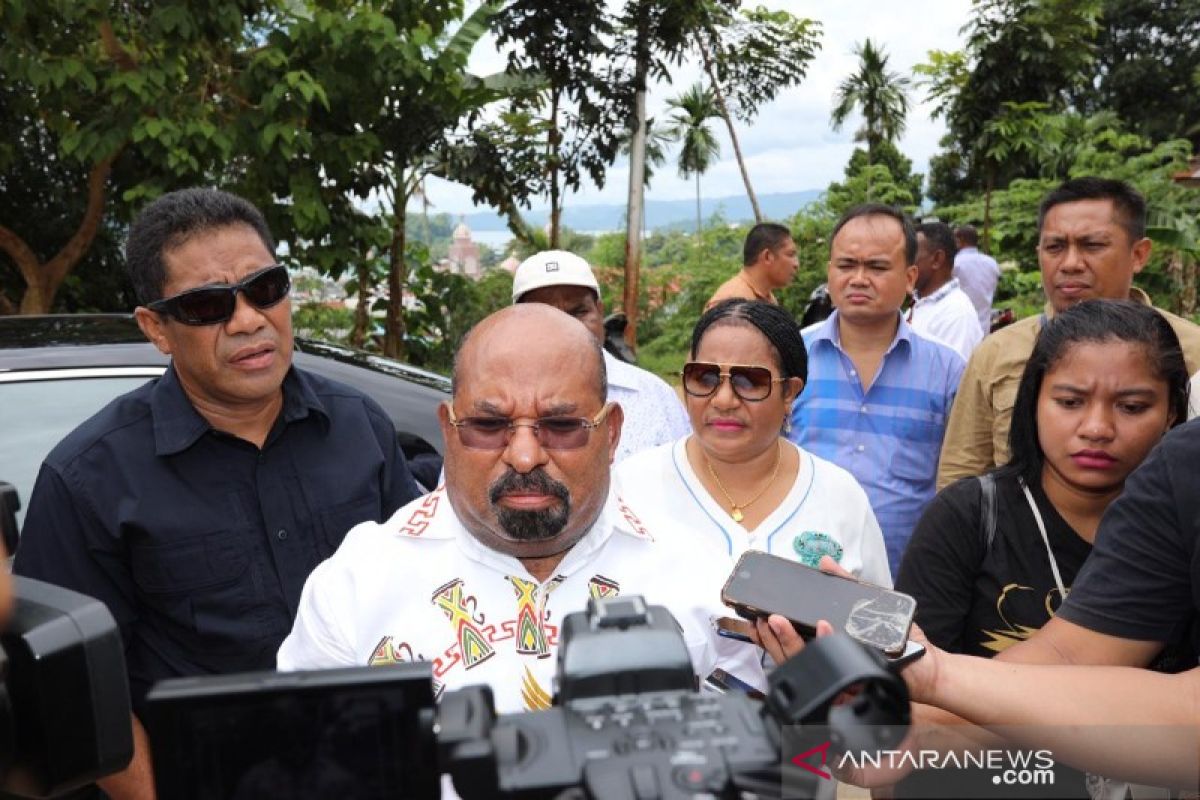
x=153 y=328
x=615 y=419
x=1141 y=254
x=443 y=414
x=910 y=273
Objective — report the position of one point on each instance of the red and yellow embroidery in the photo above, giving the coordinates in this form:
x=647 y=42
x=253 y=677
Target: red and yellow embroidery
x=472 y=642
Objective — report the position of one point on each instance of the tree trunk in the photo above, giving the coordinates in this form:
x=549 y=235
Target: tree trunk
x=699 y=221
x=1187 y=297
x=42 y=280
x=362 y=311
x=554 y=139
x=393 y=337
x=637 y=185
x=987 y=212
x=733 y=139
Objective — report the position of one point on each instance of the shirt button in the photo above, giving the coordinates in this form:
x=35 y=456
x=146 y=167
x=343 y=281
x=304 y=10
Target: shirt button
x=863 y=409
x=853 y=372
x=282 y=534
x=860 y=448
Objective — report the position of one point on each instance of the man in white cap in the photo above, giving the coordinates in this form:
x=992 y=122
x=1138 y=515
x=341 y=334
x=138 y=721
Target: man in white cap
x=653 y=413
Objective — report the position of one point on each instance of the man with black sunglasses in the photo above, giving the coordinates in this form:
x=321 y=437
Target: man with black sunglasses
x=477 y=576
x=196 y=505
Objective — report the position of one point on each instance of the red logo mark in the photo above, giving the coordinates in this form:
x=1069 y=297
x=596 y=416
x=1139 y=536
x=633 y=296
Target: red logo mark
x=802 y=760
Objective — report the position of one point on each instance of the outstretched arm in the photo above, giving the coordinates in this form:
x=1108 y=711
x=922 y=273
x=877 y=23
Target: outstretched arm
x=1121 y=722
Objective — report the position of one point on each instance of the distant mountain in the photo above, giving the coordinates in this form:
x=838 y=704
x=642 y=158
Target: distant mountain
x=679 y=214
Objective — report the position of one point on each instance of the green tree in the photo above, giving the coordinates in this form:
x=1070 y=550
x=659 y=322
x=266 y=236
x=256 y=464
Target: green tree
x=903 y=186
x=1017 y=51
x=658 y=33
x=750 y=57
x=581 y=113
x=698 y=147
x=147 y=93
x=879 y=95
x=1147 y=52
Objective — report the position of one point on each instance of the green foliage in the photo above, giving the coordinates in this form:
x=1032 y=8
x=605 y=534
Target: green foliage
x=885 y=178
x=688 y=124
x=1147 y=56
x=680 y=278
x=319 y=321
x=1070 y=145
x=880 y=95
x=756 y=54
x=1017 y=51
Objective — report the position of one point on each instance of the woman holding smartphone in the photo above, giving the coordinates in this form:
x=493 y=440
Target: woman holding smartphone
x=735 y=483
x=1105 y=381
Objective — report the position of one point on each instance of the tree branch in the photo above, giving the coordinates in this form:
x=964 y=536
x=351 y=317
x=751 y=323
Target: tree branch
x=114 y=50
x=57 y=268
x=20 y=252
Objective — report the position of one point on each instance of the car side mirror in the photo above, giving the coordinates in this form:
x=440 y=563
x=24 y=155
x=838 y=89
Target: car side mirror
x=10 y=504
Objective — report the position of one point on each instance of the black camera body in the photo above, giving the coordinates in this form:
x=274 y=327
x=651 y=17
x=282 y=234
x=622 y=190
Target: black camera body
x=627 y=722
x=64 y=694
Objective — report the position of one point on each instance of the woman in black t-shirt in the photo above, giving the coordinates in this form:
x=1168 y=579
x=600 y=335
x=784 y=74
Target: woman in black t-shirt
x=1105 y=381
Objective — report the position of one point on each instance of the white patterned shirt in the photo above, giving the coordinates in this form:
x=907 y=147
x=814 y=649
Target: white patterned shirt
x=653 y=413
x=421 y=587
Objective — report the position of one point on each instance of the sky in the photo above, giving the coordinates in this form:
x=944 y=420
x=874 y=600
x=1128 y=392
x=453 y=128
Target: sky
x=790 y=146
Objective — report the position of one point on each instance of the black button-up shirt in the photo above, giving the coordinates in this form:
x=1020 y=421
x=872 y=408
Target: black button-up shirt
x=199 y=542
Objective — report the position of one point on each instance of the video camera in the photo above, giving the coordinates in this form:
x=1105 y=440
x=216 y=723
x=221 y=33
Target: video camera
x=64 y=695
x=628 y=722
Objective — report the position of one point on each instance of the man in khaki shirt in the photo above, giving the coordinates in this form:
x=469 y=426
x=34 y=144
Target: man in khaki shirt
x=770 y=262
x=1091 y=242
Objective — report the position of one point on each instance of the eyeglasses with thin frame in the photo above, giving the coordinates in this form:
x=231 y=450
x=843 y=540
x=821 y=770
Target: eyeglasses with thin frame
x=553 y=433
x=208 y=305
x=751 y=382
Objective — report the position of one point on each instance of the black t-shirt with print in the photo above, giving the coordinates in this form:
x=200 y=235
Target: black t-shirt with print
x=978 y=600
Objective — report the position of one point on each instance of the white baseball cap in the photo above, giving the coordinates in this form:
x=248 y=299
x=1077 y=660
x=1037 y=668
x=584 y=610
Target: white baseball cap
x=552 y=268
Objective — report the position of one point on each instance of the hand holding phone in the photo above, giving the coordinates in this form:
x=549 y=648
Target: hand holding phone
x=763 y=584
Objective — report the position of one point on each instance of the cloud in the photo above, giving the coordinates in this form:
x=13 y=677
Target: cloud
x=789 y=146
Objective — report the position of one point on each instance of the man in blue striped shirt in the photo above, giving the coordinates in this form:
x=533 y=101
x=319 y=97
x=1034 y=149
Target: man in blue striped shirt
x=878 y=393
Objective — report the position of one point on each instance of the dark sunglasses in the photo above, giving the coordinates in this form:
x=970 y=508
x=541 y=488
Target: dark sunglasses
x=553 y=433
x=751 y=383
x=208 y=305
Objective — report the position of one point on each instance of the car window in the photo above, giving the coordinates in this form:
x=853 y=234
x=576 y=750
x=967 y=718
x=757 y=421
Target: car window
x=38 y=414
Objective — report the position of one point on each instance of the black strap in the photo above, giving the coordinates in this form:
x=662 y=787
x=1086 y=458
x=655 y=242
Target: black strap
x=987 y=511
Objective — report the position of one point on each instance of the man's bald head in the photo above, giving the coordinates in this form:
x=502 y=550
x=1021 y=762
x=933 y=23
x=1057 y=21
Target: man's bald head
x=530 y=332
x=529 y=493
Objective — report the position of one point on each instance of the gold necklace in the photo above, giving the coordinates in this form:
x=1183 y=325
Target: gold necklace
x=736 y=508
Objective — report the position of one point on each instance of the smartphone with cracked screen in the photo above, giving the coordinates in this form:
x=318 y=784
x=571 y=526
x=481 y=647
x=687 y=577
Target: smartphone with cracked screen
x=763 y=584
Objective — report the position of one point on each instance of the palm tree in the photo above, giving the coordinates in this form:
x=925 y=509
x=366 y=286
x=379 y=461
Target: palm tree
x=881 y=96
x=691 y=112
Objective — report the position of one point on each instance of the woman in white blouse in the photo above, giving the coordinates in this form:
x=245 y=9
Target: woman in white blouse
x=735 y=483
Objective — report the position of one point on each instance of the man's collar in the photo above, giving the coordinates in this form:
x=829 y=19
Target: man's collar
x=941 y=294
x=1137 y=295
x=619 y=373
x=828 y=331
x=178 y=425
x=766 y=296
